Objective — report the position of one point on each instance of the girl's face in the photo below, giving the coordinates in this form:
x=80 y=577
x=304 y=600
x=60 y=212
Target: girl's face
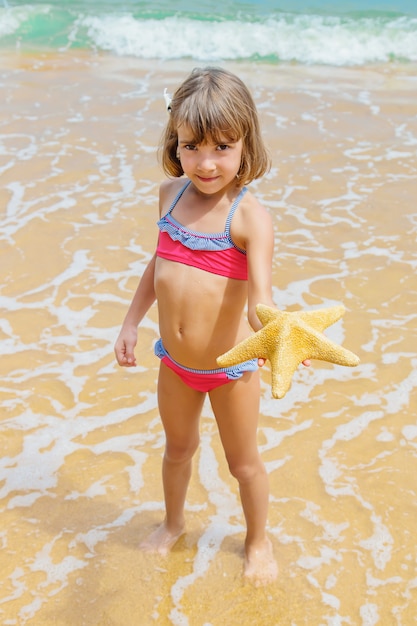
x=212 y=167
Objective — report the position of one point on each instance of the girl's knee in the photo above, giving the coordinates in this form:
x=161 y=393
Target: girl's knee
x=180 y=453
x=246 y=471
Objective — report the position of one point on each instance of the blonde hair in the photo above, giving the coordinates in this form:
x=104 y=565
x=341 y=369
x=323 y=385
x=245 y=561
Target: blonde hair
x=215 y=104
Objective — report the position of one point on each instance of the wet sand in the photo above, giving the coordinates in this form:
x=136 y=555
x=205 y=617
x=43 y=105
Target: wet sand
x=81 y=439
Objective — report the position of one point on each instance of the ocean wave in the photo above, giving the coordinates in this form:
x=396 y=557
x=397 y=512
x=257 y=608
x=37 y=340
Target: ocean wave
x=11 y=20
x=306 y=39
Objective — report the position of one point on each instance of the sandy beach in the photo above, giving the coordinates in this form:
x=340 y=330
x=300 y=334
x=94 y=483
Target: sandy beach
x=81 y=439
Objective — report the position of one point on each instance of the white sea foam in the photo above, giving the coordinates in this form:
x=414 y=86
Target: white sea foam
x=10 y=20
x=369 y=614
x=307 y=39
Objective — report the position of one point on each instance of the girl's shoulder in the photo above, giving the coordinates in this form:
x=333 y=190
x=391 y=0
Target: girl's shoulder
x=168 y=190
x=170 y=187
x=251 y=210
x=252 y=221
x=172 y=183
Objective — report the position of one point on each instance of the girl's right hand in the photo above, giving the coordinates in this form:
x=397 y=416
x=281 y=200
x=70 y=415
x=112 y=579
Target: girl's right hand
x=125 y=346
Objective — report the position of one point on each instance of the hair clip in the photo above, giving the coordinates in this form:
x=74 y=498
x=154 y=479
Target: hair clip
x=167 y=100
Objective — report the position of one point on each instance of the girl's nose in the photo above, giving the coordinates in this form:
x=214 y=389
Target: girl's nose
x=206 y=161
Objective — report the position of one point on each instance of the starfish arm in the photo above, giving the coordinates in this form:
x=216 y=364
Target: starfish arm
x=250 y=348
x=284 y=362
x=324 y=349
x=321 y=318
x=318 y=318
x=268 y=314
x=311 y=345
x=280 y=383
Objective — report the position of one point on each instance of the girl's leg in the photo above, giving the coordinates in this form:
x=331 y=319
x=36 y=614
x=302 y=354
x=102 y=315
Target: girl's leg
x=236 y=407
x=180 y=408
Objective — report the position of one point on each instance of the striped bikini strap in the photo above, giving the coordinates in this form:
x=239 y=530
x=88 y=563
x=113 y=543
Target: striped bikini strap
x=177 y=197
x=233 y=209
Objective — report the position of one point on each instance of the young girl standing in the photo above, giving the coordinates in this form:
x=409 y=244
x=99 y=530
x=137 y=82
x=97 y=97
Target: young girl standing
x=214 y=255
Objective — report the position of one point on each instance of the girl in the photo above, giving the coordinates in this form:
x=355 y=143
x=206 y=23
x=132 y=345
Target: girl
x=213 y=255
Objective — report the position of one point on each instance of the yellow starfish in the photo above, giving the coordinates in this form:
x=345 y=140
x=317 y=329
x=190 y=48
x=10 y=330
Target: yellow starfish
x=287 y=339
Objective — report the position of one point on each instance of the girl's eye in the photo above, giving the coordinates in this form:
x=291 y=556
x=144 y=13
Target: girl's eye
x=221 y=147
x=189 y=146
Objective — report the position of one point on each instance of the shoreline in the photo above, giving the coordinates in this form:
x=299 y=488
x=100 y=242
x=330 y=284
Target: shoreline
x=13 y=54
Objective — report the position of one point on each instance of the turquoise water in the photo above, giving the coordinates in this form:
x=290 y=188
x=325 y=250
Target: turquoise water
x=310 y=32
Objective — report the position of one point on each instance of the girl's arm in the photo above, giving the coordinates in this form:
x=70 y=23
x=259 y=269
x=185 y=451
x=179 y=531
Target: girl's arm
x=259 y=250
x=142 y=300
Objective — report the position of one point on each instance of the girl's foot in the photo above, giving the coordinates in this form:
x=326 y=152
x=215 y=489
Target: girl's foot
x=161 y=540
x=260 y=565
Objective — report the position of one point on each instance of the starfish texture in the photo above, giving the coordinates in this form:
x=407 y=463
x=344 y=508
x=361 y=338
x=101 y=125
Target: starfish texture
x=287 y=339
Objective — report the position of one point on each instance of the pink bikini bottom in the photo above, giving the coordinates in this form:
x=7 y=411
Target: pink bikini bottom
x=204 y=380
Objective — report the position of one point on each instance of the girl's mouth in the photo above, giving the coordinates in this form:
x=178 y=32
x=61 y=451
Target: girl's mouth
x=207 y=179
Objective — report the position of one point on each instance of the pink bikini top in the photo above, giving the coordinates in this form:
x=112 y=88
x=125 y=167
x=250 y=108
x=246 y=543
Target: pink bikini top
x=212 y=252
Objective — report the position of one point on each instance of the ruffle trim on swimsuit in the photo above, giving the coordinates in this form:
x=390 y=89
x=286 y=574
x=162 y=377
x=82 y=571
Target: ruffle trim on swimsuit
x=194 y=240
x=233 y=372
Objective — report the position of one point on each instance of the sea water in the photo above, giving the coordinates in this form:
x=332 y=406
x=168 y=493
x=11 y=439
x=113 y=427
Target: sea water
x=81 y=441
x=335 y=33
